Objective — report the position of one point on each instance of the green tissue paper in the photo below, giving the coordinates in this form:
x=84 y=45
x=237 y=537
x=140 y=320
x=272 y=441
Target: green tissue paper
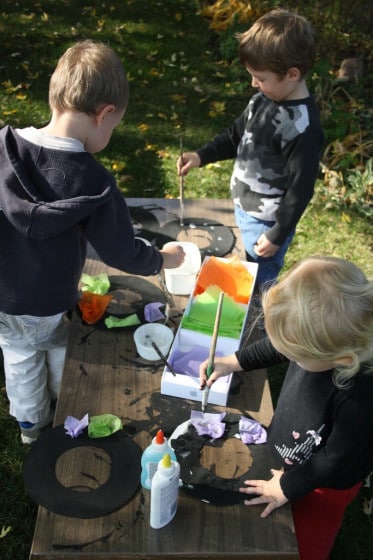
x=103 y=425
x=201 y=316
x=130 y=321
x=98 y=284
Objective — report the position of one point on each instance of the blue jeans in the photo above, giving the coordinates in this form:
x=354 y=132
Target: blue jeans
x=251 y=229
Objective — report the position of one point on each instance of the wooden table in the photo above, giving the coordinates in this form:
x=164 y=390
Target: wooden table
x=103 y=374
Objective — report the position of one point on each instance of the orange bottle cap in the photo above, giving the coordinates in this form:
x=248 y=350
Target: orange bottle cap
x=159 y=438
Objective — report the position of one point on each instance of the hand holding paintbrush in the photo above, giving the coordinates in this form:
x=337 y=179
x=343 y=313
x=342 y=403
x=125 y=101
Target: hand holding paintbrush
x=185 y=162
x=210 y=364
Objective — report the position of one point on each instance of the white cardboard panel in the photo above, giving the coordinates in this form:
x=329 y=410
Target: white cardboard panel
x=186 y=386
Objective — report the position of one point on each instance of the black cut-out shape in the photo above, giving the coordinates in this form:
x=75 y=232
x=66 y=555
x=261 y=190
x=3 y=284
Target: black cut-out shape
x=135 y=293
x=43 y=486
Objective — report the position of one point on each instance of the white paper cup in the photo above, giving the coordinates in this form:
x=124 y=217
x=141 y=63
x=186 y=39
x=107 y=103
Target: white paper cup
x=160 y=334
x=181 y=280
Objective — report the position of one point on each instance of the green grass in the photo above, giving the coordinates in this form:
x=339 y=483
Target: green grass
x=180 y=88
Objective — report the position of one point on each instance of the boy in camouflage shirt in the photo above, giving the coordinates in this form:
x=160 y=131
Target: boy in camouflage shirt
x=276 y=141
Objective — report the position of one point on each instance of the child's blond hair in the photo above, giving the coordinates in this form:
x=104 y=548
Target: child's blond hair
x=323 y=310
x=277 y=41
x=88 y=76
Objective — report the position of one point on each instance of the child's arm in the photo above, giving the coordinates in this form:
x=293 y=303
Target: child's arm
x=268 y=492
x=302 y=164
x=264 y=248
x=173 y=256
x=222 y=366
x=257 y=355
x=187 y=161
x=222 y=147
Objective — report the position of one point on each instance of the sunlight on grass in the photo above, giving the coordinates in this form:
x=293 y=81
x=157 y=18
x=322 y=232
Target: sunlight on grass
x=184 y=85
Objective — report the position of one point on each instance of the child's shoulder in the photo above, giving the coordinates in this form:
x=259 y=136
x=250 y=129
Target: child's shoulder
x=361 y=384
x=259 y=102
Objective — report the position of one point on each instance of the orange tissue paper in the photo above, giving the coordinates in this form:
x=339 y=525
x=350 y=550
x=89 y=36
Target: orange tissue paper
x=230 y=275
x=93 y=306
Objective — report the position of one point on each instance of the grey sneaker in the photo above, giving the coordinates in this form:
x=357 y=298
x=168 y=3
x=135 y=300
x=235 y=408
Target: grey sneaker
x=31 y=434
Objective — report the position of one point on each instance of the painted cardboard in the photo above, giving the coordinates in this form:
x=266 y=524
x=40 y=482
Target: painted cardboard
x=186 y=386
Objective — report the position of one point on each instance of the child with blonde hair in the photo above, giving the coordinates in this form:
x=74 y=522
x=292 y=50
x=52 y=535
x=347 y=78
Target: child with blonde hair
x=55 y=197
x=319 y=317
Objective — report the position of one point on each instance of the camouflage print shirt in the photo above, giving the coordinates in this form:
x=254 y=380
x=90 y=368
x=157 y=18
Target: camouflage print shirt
x=277 y=148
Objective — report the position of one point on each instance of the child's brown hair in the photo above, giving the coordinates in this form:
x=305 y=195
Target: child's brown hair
x=277 y=41
x=88 y=75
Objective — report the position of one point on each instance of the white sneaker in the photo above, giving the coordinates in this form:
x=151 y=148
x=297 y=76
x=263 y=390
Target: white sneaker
x=29 y=435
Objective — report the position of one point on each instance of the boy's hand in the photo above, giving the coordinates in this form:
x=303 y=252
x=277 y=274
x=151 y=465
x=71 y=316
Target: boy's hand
x=173 y=256
x=264 y=248
x=269 y=492
x=187 y=161
x=222 y=366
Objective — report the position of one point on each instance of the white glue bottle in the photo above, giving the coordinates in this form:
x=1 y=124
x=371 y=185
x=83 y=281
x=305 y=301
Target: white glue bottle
x=164 y=492
x=151 y=457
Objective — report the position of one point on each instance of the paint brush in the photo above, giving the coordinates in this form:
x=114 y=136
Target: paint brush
x=210 y=363
x=160 y=354
x=181 y=187
x=168 y=297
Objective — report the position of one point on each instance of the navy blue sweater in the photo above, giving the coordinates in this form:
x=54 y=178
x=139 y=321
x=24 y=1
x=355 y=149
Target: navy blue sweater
x=52 y=202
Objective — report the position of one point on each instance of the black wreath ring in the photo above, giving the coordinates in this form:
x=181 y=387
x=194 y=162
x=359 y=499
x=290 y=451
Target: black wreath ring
x=42 y=485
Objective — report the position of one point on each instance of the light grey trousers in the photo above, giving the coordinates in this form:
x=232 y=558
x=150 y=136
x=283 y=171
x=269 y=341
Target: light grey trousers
x=34 y=353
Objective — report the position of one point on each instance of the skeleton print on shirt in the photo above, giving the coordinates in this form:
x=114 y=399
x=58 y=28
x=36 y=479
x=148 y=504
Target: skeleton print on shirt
x=302 y=449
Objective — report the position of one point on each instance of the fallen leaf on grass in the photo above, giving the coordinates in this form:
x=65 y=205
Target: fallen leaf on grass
x=367 y=506
x=4 y=531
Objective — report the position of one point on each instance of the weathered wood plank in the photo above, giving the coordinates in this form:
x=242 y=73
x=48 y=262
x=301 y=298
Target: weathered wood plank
x=104 y=374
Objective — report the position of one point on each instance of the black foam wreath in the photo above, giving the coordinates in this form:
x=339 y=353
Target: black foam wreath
x=43 y=486
x=204 y=484
x=146 y=225
x=222 y=238
x=136 y=292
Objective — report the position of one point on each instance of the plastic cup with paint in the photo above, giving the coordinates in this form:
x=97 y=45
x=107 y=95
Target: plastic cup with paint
x=181 y=280
x=156 y=332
